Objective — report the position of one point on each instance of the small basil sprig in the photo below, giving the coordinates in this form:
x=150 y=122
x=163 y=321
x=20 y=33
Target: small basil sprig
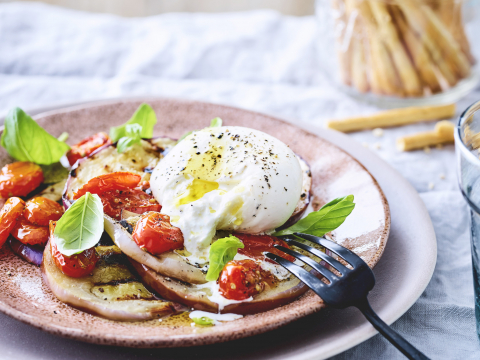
x=81 y=227
x=132 y=136
x=320 y=222
x=204 y=321
x=144 y=116
x=221 y=252
x=25 y=140
x=54 y=173
x=217 y=122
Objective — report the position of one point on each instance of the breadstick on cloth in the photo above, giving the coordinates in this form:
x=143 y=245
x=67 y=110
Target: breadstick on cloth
x=442 y=134
x=394 y=117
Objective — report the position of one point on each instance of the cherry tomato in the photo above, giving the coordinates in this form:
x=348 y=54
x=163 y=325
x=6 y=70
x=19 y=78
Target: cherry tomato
x=20 y=178
x=39 y=211
x=76 y=265
x=121 y=180
x=30 y=234
x=133 y=200
x=87 y=146
x=241 y=279
x=10 y=213
x=154 y=233
x=256 y=245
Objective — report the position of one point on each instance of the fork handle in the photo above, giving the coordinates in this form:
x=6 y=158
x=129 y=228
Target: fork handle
x=396 y=339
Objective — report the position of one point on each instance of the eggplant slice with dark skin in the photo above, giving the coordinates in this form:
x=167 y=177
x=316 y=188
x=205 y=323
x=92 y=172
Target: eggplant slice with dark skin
x=139 y=159
x=167 y=280
x=112 y=291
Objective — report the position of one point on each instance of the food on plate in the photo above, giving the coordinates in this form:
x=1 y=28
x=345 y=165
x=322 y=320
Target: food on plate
x=20 y=178
x=87 y=146
x=40 y=211
x=9 y=215
x=109 y=289
x=150 y=226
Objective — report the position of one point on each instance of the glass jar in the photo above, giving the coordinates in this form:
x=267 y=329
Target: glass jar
x=400 y=52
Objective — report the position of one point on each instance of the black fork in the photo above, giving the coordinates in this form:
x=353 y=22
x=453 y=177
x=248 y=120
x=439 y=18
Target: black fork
x=349 y=289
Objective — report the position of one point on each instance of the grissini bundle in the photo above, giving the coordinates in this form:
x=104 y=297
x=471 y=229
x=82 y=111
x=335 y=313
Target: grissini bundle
x=407 y=48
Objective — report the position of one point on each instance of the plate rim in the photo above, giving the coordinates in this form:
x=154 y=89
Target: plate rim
x=341 y=141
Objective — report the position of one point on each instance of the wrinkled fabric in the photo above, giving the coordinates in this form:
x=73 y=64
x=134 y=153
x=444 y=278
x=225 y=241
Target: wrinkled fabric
x=257 y=60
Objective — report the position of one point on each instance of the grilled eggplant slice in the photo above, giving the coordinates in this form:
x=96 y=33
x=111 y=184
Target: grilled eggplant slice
x=111 y=291
x=169 y=263
x=31 y=253
x=195 y=297
x=139 y=159
x=172 y=278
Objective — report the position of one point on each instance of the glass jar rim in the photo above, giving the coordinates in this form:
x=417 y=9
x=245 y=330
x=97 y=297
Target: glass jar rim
x=466 y=114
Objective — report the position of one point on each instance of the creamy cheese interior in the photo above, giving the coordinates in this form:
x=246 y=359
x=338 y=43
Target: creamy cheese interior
x=226 y=178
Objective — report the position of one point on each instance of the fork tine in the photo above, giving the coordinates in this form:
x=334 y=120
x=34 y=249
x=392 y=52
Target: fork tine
x=321 y=269
x=342 y=269
x=347 y=255
x=308 y=279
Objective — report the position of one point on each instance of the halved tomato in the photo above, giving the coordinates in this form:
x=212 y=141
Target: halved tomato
x=256 y=245
x=121 y=180
x=154 y=233
x=30 y=234
x=87 y=146
x=20 y=178
x=241 y=279
x=10 y=213
x=76 y=265
x=40 y=210
x=133 y=200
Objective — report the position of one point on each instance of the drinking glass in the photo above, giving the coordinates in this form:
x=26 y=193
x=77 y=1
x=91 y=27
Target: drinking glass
x=467 y=145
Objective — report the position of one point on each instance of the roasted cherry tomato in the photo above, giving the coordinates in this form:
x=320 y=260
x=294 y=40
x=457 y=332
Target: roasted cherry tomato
x=241 y=279
x=39 y=211
x=20 y=178
x=87 y=146
x=154 y=233
x=256 y=245
x=76 y=265
x=121 y=180
x=30 y=234
x=10 y=213
x=133 y=200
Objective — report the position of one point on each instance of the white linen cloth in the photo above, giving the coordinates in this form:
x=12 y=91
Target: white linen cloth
x=256 y=60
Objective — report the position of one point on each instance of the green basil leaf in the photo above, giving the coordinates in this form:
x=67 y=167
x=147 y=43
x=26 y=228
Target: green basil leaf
x=25 y=140
x=54 y=173
x=132 y=136
x=217 y=122
x=320 y=222
x=81 y=227
x=222 y=251
x=124 y=143
x=144 y=116
x=205 y=321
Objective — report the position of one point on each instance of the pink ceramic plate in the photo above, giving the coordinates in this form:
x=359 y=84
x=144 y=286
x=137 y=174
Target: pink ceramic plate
x=334 y=172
